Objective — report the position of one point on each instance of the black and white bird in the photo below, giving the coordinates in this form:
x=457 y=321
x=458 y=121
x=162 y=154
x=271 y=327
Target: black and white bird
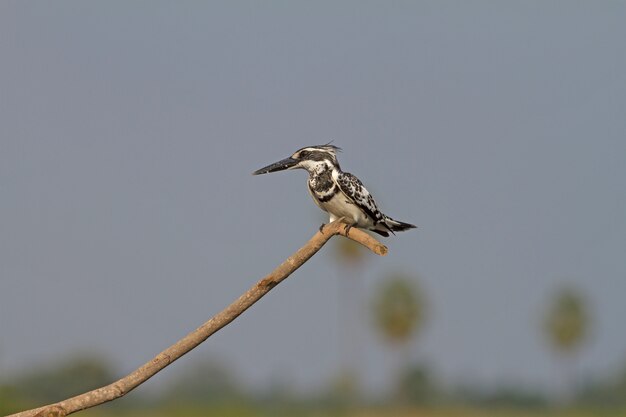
x=338 y=193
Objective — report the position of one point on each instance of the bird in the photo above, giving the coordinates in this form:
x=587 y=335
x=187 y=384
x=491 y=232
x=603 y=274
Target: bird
x=340 y=194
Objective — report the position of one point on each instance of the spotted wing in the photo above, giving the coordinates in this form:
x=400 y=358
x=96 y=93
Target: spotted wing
x=352 y=187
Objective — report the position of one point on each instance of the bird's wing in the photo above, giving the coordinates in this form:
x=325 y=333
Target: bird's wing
x=354 y=190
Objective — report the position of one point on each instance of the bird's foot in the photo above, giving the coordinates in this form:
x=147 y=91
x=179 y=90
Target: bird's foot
x=322 y=228
x=347 y=228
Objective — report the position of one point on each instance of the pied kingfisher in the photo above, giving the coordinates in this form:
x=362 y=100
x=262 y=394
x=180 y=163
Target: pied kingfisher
x=338 y=193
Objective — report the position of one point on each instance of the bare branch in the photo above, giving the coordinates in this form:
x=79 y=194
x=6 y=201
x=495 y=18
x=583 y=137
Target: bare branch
x=131 y=381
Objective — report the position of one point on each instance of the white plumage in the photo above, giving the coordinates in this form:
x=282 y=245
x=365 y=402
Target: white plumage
x=339 y=193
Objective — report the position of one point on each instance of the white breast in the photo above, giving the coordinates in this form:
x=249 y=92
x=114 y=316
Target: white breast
x=338 y=206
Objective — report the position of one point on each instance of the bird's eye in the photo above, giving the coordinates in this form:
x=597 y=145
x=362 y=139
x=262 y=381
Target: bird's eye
x=303 y=154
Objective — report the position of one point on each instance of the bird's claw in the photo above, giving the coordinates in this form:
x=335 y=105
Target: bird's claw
x=322 y=228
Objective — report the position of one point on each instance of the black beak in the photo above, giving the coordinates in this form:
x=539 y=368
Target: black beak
x=277 y=166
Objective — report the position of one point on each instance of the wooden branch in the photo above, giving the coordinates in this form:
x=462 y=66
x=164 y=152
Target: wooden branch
x=131 y=381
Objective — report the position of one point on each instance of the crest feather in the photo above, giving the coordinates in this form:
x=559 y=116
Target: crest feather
x=332 y=149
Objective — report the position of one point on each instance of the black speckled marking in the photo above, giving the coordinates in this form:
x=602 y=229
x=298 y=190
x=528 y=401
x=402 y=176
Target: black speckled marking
x=327 y=197
x=352 y=187
x=322 y=182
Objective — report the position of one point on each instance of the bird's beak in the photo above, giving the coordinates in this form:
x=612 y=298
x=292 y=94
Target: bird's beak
x=277 y=166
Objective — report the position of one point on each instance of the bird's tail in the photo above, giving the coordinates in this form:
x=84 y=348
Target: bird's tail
x=390 y=225
x=396 y=226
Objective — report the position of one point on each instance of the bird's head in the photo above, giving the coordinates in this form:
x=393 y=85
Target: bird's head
x=311 y=158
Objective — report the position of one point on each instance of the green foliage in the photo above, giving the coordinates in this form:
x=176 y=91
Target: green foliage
x=503 y=397
x=207 y=382
x=72 y=376
x=604 y=392
x=399 y=309
x=417 y=386
x=9 y=400
x=237 y=411
x=567 y=320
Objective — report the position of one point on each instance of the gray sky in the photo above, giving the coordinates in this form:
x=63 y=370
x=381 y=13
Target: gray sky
x=128 y=215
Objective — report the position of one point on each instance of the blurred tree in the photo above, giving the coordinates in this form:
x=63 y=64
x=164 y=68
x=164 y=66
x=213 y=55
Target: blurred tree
x=350 y=257
x=399 y=309
x=620 y=387
x=204 y=382
x=70 y=377
x=505 y=396
x=567 y=320
x=9 y=400
x=399 y=314
x=566 y=325
x=417 y=385
x=605 y=391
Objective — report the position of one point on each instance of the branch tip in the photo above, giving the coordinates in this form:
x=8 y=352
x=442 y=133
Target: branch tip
x=359 y=236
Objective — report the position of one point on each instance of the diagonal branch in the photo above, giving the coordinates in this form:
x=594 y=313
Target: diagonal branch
x=131 y=381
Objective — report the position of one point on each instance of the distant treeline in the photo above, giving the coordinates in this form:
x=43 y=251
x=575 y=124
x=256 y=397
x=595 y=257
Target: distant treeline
x=209 y=383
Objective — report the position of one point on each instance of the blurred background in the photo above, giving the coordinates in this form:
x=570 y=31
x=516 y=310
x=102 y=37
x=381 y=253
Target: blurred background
x=129 y=215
